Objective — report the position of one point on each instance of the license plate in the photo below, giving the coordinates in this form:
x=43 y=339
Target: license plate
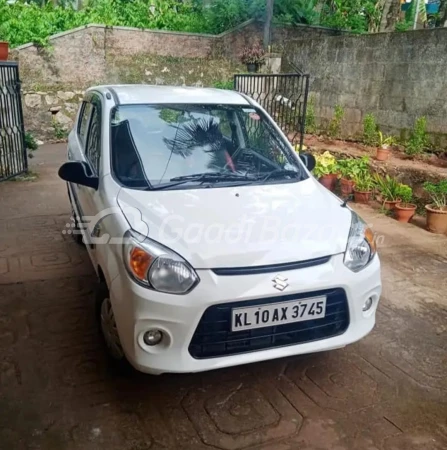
x=278 y=313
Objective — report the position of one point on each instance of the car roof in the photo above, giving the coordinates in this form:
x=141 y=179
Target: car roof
x=131 y=94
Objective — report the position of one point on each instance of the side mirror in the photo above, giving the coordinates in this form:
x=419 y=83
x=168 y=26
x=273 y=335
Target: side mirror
x=308 y=160
x=77 y=172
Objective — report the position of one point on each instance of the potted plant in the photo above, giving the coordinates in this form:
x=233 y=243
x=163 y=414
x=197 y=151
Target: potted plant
x=363 y=187
x=383 y=150
x=389 y=190
x=437 y=209
x=405 y=210
x=253 y=57
x=349 y=169
x=325 y=170
x=4 y=51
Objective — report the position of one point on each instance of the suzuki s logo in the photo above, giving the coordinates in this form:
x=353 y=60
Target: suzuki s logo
x=280 y=283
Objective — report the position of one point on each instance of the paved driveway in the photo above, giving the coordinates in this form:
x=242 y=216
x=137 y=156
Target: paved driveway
x=57 y=392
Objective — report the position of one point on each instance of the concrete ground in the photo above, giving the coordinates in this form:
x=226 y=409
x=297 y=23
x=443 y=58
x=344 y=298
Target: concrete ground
x=388 y=391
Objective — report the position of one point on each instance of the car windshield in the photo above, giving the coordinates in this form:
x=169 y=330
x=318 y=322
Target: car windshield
x=192 y=145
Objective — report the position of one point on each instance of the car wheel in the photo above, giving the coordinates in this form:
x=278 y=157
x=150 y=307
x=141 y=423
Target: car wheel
x=108 y=329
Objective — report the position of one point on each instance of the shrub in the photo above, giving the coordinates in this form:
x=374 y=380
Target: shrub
x=30 y=142
x=438 y=193
x=353 y=167
x=391 y=190
x=370 y=130
x=59 y=131
x=363 y=182
x=405 y=193
x=385 y=141
x=224 y=85
x=335 y=124
x=325 y=164
x=388 y=187
x=253 y=55
x=418 y=141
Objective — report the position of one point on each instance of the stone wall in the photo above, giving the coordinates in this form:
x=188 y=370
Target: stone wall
x=49 y=109
x=87 y=55
x=396 y=76
x=54 y=78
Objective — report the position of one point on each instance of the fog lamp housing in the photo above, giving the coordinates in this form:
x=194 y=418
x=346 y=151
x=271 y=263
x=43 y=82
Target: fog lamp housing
x=152 y=337
x=368 y=304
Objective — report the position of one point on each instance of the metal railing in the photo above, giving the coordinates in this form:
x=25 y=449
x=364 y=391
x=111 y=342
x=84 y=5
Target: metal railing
x=283 y=96
x=13 y=158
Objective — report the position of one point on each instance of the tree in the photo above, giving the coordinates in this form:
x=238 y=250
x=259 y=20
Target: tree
x=268 y=23
x=443 y=13
x=390 y=15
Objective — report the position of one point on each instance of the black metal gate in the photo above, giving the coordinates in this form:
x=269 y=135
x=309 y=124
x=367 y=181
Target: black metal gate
x=283 y=96
x=13 y=158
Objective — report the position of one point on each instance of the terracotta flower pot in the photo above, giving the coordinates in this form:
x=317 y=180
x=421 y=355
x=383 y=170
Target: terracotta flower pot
x=404 y=211
x=362 y=196
x=390 y=204
x=346 y=186
x=328 y=181
x=252 y=67
x=383 y=154
x=4 y=50
x=436 y=219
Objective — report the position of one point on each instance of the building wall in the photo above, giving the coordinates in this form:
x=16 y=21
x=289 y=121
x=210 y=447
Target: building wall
x=396 y=76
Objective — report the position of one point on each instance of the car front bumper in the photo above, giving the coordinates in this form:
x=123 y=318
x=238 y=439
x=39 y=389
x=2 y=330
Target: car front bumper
x=138 y=309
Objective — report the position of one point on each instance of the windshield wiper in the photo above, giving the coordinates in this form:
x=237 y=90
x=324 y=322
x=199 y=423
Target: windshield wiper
x=281 y=172
x=212 y=177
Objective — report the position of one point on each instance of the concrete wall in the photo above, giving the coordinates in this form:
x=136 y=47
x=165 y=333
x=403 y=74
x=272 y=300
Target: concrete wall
x=54 y=78
x=396 y=76
x=49 y=108
x=89 y=54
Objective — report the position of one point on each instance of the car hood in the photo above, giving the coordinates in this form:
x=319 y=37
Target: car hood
x=242 y=226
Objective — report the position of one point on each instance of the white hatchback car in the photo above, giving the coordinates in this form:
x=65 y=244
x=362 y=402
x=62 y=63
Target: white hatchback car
x=213 y=244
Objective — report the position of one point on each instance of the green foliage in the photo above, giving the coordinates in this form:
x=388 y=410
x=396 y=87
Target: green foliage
x=370 y=130
x=335 y=124
x=292 y=12
x=59 y=131
x=385 y=140
x=311 y=122
x=30 y=142
x=438 y=193
x=418 y=141
x=21 y=23
x=363 y=182
x=352 y=168
x=390 y=189
x=358 y=16
x=224 y=84
x=402 y=25
x=405 y=193
x=34 y=21
x=325 y=164
x=221 y=15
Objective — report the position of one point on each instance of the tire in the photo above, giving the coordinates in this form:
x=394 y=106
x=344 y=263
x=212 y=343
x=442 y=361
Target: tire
x=107 y=327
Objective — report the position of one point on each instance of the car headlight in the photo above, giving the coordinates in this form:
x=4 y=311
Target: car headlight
x=361 y=247
x=157 y=267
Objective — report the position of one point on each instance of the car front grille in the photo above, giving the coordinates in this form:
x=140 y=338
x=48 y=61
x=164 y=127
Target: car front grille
x=213 y=336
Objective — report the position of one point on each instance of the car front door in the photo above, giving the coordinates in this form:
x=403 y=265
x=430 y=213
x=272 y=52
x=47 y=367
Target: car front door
x=88 y=200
